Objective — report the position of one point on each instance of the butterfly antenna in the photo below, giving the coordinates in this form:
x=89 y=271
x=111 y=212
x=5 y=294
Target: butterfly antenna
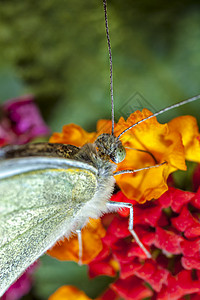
x=110 y=59
x=161 y=112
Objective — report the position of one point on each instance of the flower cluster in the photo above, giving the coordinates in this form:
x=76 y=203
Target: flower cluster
x=168 y=226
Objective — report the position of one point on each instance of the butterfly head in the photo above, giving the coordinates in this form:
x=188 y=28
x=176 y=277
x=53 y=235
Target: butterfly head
x=109 y=147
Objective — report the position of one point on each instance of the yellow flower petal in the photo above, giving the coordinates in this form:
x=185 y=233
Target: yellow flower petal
x=68 y=249
x=68 y=292
x=188 y=128
x=74 y=135
x=160 y=145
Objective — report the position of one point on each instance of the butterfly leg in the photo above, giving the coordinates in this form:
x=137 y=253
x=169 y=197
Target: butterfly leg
x=80 y=246
x=131 y=221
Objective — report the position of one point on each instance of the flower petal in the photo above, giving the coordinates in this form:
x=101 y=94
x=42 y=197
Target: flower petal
x=185 y=220
x=188 y=128
x=171 y=290
x=189 y=248
x=22 y=286
x=21 y=121
x=196 y=199
x=162 y=145
x=175 y=198
x=109 y=294
x=74 y=135
x=131 y=288
x=103 y=267
x=69 y=292
x=187 y=283
x=128 y=269
x=168 y=241
x=91 y=242
x=155 y=275
x=190 y=263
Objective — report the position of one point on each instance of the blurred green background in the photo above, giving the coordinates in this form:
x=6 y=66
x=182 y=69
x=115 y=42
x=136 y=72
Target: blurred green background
x=57 y=51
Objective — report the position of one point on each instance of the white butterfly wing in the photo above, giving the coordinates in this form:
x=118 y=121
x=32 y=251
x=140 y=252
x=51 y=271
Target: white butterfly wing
x=37 y=208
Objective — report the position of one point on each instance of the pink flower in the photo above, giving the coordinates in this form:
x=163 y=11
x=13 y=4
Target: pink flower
x=21 y=287
x=21 y=121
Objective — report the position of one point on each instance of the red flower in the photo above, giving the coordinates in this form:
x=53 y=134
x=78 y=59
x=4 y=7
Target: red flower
x=169 y=229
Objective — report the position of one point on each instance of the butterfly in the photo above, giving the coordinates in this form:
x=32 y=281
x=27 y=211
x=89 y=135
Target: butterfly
x=48 y=191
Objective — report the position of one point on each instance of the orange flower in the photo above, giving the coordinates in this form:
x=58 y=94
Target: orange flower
x=91 y=243
x=69 y=292
x=74 y=135
x=161 y=143
x=187 y=126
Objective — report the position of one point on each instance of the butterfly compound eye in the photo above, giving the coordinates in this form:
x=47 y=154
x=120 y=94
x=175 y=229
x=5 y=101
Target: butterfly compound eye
x=118 y=155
